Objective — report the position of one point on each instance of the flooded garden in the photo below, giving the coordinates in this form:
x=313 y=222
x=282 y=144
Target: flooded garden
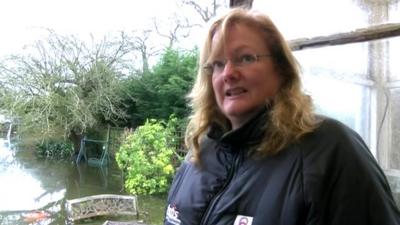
x=34 y=191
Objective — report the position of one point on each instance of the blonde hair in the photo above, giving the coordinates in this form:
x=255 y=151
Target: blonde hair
x=291 y=114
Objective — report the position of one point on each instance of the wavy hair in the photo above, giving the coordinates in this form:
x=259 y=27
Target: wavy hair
x=291 y=115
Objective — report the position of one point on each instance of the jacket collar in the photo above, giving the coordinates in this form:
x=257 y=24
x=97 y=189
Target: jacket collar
x=249 y=134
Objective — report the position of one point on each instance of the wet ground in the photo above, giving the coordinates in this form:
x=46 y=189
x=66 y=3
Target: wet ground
x=33 y=191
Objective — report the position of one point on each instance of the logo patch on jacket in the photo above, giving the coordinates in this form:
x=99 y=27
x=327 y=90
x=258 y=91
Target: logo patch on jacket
x=172 y=215
x=243 y=220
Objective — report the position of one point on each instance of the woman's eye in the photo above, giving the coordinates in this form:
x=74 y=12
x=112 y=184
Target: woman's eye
x=218 y=64
x=247 y=58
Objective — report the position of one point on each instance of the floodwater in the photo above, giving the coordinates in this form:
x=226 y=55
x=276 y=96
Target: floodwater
x=29 y=185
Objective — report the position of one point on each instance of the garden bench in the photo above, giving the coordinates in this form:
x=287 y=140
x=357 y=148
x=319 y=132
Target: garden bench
x=108 y=222
x=101 y=205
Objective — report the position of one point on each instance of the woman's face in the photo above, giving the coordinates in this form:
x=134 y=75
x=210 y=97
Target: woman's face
x=244 y=78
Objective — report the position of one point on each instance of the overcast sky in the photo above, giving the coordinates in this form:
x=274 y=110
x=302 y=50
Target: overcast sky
x=22 y=21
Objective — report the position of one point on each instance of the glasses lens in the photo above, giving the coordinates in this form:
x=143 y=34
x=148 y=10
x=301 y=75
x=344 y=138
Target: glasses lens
x=208 y=69
x=245 y=59
x=219 y=65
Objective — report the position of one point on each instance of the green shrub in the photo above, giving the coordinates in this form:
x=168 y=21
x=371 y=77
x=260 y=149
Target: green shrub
x=147 y=155
x=55 y=149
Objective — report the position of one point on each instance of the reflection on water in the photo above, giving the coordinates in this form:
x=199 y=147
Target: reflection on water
x=33 y=191
x=17 y=181
x=6 y=155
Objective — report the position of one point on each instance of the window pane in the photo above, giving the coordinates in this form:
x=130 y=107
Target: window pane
x=348 y=82
x=336 y=78
x=312 y=18
x=346 y=101
x=394 y=58
x=394 y=11
x=395 y=128
x=348 y=62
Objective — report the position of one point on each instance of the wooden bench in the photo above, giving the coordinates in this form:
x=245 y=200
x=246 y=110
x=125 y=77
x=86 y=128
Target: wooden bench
x=108 y=222
x=101 y=205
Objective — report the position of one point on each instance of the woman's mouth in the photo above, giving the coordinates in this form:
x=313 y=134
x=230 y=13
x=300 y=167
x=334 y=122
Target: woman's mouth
x=235 y=91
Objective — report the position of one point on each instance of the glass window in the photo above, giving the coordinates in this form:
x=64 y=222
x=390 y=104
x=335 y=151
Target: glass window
x=347 y=62
x=395 y=128
x=358 y=84
x=340 y=99
x=310 y=18
x=336 y=78
x=394 y=58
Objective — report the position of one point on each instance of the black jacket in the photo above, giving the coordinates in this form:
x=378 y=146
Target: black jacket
x=328 y=177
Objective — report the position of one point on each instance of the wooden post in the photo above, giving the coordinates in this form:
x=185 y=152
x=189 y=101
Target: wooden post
x=241 y=3
x=360 y=35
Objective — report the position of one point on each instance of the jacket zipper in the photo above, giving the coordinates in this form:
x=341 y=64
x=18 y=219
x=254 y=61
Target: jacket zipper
x=217 y=197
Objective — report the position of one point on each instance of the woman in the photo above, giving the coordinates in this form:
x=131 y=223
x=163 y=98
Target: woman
x=259 y=155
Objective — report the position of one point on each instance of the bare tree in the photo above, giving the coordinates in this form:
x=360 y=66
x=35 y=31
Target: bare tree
x=181 y=29
x=206 y=12
x=141 y=42
x=64 y=85
x=180 y=26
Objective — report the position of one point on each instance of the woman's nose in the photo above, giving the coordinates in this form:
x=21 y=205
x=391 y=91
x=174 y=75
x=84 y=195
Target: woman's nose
x=230 y=70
